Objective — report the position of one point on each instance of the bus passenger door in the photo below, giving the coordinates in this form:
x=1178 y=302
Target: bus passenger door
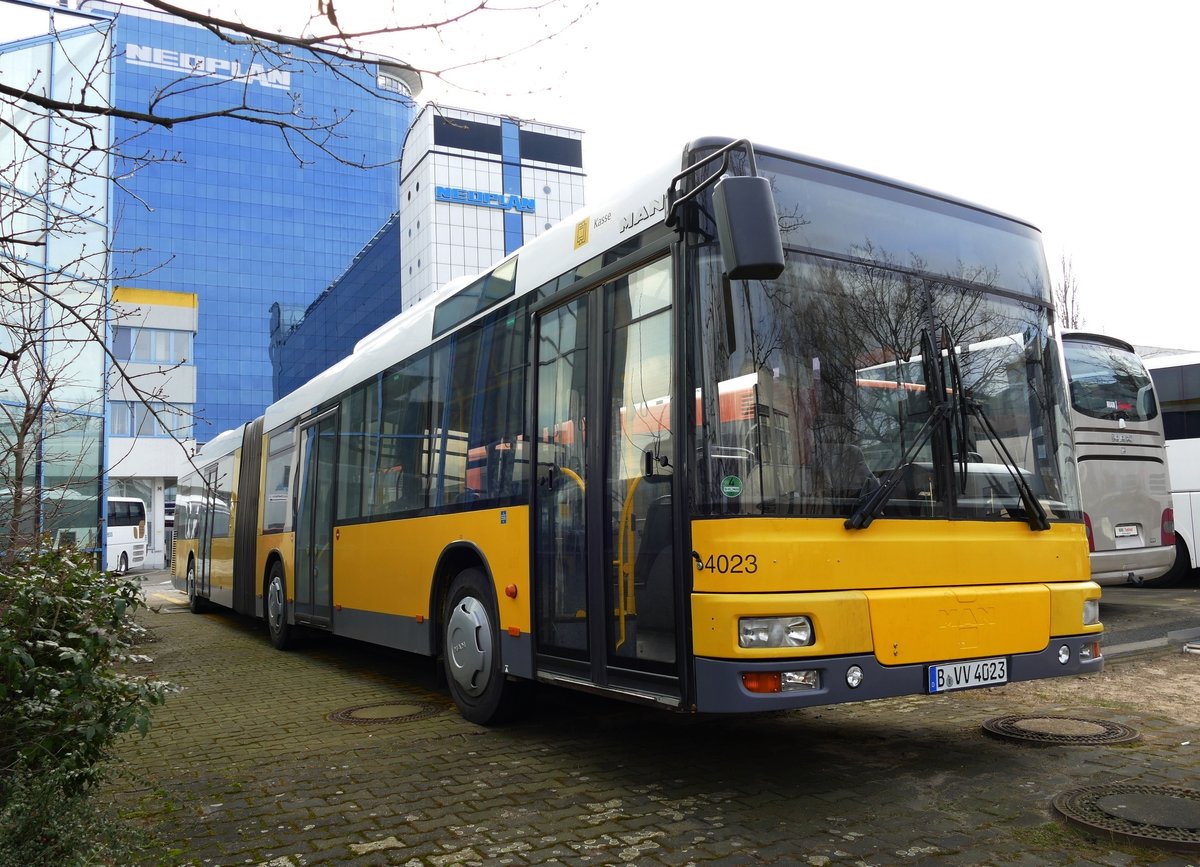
x=208 y=505
x=605 y=587
x=314 y=522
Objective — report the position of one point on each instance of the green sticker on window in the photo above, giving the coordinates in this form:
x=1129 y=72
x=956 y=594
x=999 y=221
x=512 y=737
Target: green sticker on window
x=731 y=486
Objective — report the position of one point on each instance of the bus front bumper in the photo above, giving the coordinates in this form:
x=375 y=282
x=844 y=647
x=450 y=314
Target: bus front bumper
x=721 y=685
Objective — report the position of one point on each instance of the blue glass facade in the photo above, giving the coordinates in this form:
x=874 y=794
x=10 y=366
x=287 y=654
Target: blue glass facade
x=245 y=215
x=361 y=300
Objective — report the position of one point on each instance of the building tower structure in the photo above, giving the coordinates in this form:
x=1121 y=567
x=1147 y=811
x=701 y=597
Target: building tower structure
x=474 y=187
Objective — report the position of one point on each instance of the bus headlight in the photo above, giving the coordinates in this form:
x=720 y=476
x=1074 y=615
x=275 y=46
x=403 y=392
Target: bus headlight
x=1091 y=612
x=775 y=631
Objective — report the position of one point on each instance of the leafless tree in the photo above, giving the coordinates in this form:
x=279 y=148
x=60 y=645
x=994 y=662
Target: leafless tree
x=1066 y=296
x=58 y=153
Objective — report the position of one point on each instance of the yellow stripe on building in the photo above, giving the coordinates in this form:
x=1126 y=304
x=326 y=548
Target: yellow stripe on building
x=161 y=297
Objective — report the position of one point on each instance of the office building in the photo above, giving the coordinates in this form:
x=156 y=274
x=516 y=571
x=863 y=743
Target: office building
x=239 y=258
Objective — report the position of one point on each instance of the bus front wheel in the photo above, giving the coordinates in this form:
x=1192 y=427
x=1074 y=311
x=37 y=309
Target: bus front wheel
x=471 y=651
x=275 y=602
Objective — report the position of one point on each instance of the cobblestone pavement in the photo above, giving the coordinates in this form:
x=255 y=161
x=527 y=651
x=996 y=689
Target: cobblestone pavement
x=244 y=766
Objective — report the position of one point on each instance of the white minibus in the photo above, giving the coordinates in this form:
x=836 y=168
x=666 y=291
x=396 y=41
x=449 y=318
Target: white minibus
x=125 y=546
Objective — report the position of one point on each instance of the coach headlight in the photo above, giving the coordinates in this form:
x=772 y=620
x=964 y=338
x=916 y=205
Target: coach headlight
x=1091 y=612
x=794 y=631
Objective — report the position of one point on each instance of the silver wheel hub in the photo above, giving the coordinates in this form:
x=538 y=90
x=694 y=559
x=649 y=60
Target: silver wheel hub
x=469 y=645
x=275 y=602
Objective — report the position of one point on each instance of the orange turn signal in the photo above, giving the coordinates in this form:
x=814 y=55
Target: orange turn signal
x=761 y=681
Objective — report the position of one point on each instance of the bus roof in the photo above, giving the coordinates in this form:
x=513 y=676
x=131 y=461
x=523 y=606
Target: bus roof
x=1179 y=359
x=223 y=444
x=1093 y=337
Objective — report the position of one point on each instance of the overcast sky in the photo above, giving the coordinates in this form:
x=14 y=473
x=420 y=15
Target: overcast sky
x=1076 y=116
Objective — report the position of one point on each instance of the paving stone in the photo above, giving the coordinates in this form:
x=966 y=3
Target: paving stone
x=242 y=766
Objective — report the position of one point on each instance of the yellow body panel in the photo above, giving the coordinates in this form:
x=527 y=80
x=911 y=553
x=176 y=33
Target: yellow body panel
x=271 y=544
x=841 y=622
x=388 y=566
x=908 y=591
x=1066 y=608
x=793 y=554
x=922 y=625
x=185 y=549
x=220 y=575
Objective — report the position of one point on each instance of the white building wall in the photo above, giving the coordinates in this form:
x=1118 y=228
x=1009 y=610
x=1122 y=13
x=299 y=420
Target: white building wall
x=442 y=240
x=147 y=466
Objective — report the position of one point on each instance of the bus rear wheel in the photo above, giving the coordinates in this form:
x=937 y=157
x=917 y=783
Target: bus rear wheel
x=195 y=602
x=275 y=603
x=1180 y=569
x=471 y=652
x=123 y=564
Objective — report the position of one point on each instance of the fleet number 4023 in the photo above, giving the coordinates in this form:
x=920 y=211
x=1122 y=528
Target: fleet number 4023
x=729 y=564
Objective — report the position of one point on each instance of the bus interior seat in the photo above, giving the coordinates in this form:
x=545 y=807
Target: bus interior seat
x=652 y=568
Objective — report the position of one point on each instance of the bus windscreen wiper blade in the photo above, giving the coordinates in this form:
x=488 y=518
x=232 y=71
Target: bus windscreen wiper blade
x=1035 y=513
x=869 y=506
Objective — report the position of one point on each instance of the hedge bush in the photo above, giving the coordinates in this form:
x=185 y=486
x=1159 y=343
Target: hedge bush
x=66 y=634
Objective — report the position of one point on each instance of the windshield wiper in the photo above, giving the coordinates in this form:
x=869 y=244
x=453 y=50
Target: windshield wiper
x=868 y=507
x=1035 y=512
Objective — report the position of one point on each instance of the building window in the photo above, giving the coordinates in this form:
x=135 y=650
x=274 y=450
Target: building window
x=131 y=418
x=152 y=345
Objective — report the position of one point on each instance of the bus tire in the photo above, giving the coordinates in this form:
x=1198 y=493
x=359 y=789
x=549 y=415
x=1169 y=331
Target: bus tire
x=123 y=564
x=195 y=602
x=1180 y=569
x=275 y=607
x=471 y=651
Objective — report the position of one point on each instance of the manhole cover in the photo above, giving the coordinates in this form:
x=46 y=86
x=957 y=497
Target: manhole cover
x=384 y=712
x=1163 y=816
x=1060 y=730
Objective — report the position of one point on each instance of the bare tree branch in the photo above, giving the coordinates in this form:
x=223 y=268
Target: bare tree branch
x=1066 y=296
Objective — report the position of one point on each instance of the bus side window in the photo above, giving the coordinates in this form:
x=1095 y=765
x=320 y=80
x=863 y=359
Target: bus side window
x=279 y=474
x=398 y=448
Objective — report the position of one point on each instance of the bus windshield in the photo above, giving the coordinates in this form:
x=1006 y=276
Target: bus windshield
x=1108 y=381
x=817 y=387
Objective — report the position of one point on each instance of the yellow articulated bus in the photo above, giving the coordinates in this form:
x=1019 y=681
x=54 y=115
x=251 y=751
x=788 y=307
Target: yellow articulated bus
x=763 y=433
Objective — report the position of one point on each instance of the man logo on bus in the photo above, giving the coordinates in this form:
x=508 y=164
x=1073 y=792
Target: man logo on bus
x=645 y=212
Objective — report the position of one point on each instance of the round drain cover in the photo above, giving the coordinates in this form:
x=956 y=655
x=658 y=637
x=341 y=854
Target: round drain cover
x=384 y=712
x=1163 y=816
x=1169 y=811
x=1060 y=730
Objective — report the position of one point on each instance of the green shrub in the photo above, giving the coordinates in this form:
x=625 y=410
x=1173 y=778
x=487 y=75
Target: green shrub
x=66 y=631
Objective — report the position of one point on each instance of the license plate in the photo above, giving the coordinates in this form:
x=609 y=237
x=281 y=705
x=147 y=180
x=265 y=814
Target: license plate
x=963 y=675
x=1126 y=530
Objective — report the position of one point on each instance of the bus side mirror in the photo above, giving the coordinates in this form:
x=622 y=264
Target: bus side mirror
x=748 y=228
